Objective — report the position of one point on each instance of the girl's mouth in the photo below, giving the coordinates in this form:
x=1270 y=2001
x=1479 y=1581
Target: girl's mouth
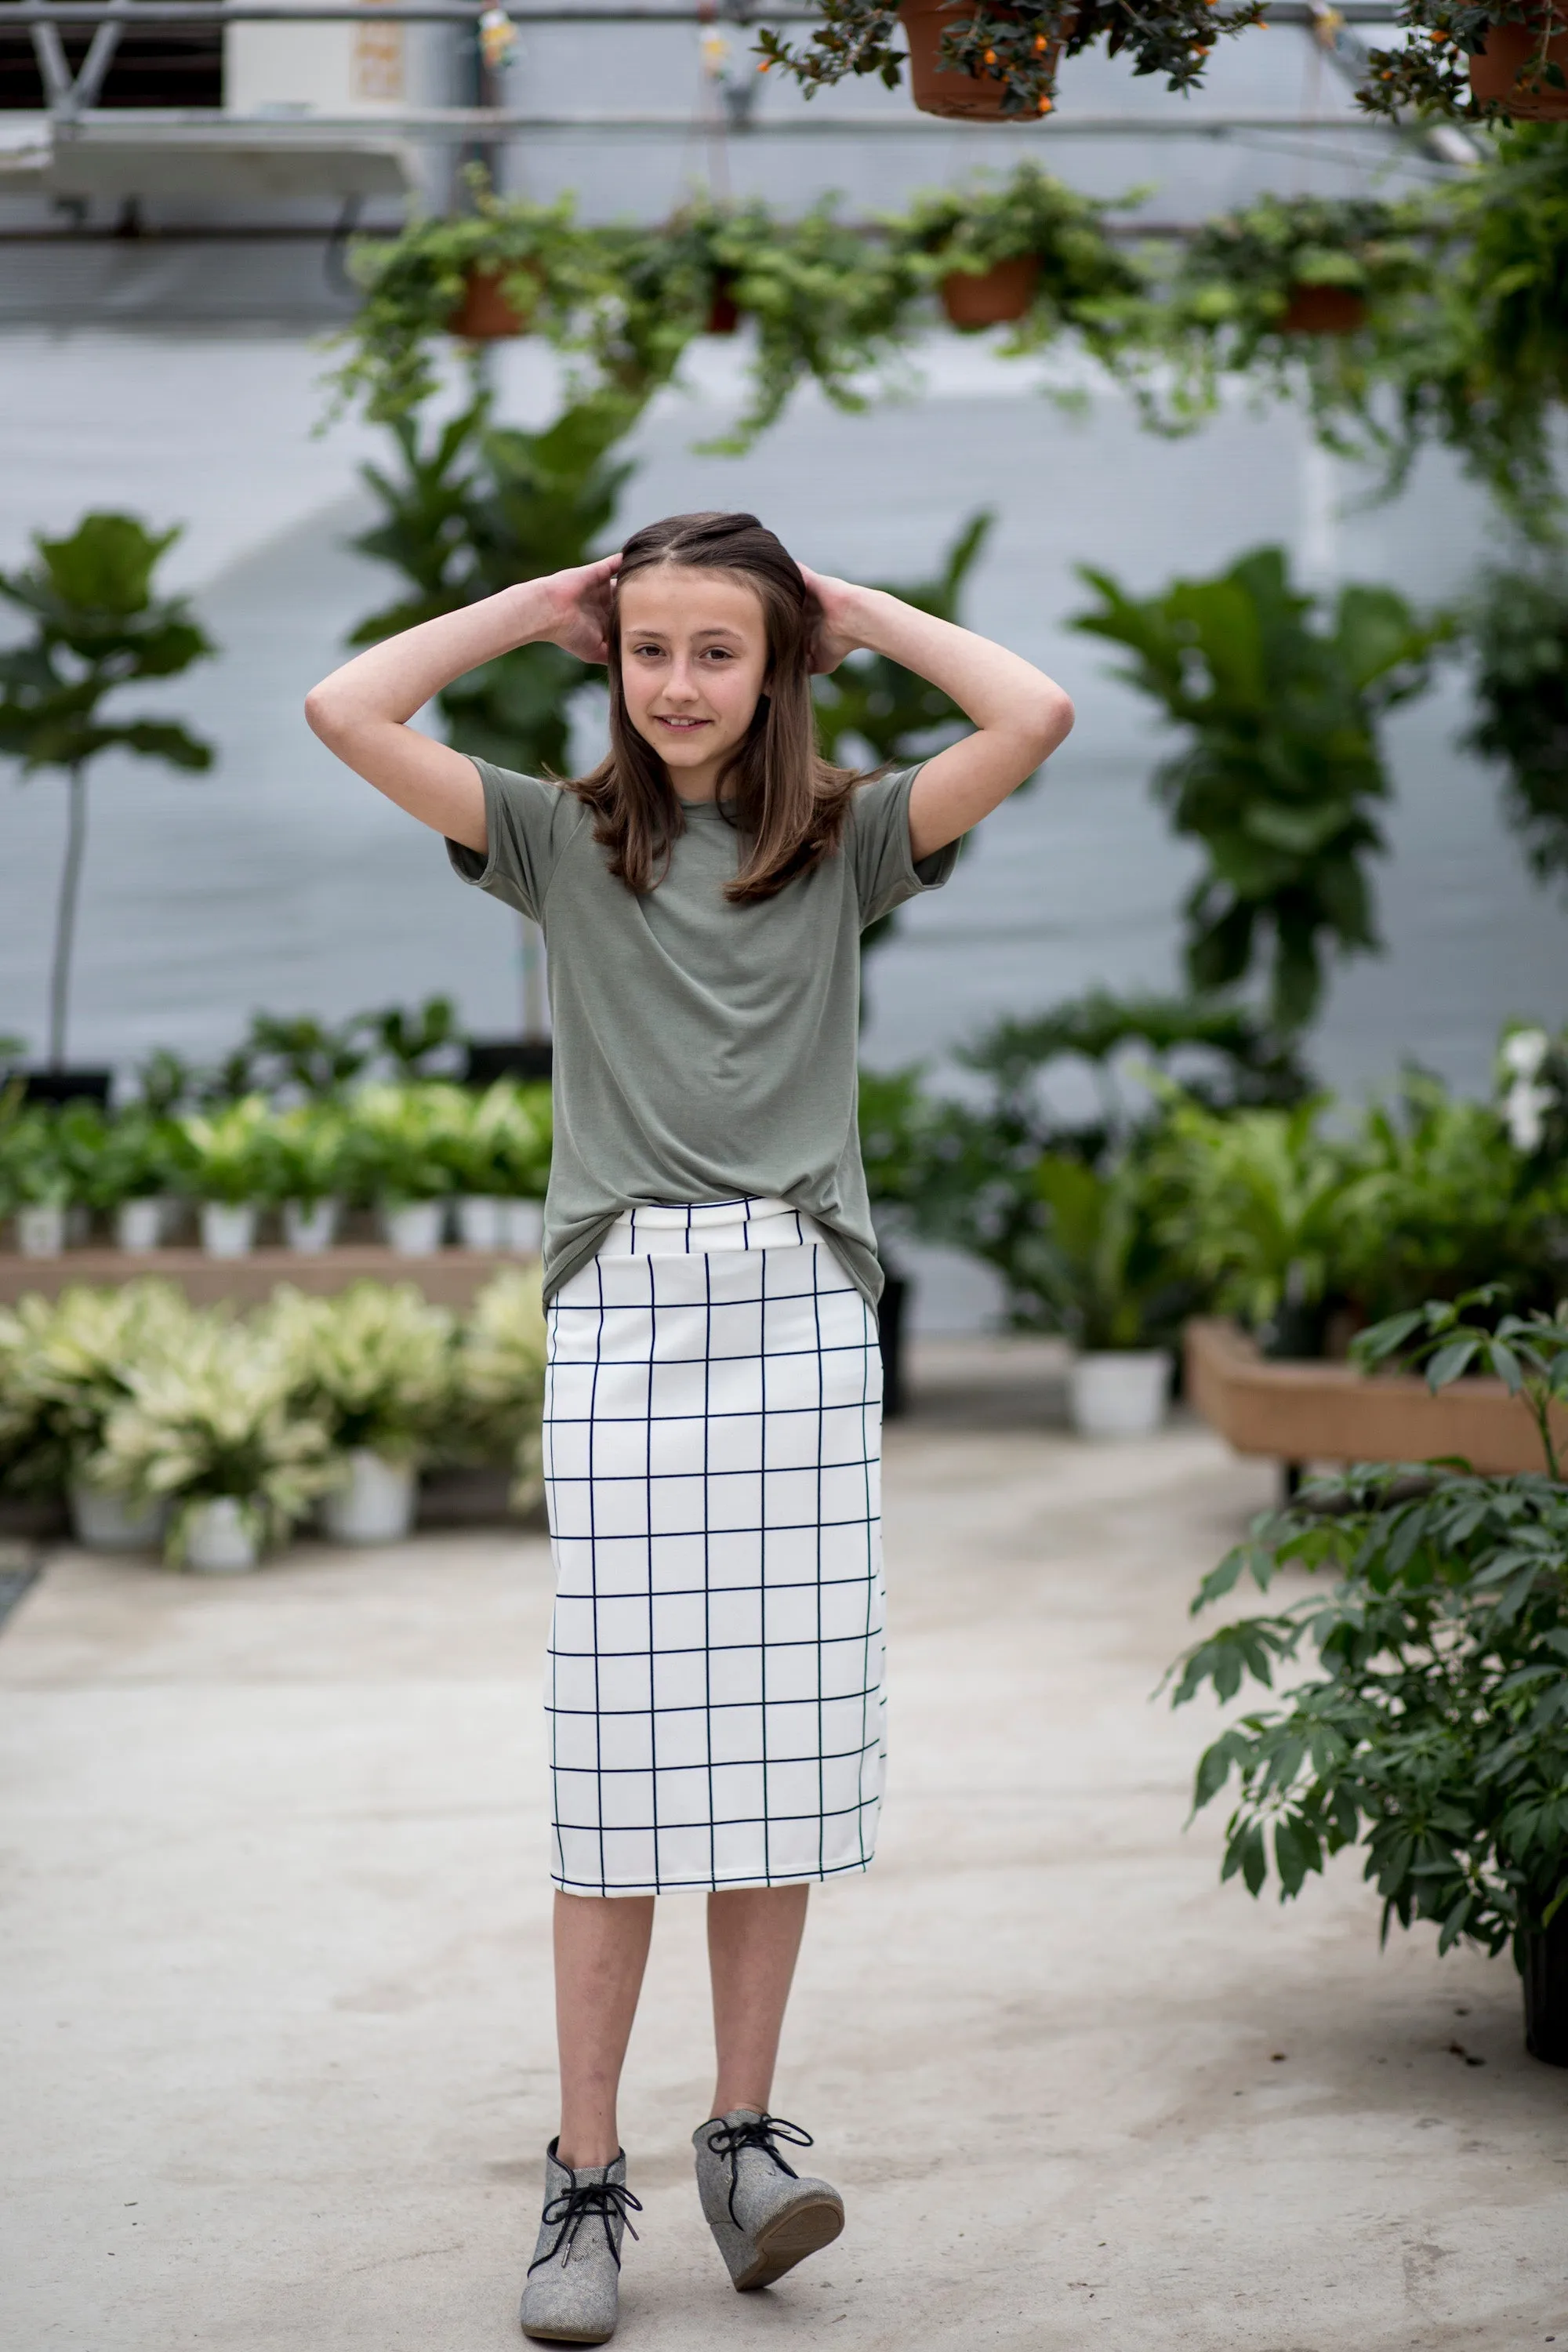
x=681 y=726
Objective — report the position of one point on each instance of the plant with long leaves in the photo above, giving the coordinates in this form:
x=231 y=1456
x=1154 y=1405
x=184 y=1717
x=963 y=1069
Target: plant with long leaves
x=1434 y=1734
x=98 y=624
x=1518 y=630
x=1281 y=772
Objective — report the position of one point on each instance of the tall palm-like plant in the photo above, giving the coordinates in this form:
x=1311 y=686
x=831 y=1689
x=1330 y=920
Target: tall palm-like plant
x=99 y=624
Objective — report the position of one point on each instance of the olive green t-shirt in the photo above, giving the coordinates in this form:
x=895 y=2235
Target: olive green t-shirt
x=703 y=1051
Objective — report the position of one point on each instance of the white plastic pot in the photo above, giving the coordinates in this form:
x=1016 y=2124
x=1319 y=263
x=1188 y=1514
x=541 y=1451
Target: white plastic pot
x=219 y=1538
x=41 y=1229
x=228 y=1231
x=311 y=1226
x=374 y=1503
x=478 y=1220
x=414 y=1230
x=139 y=1225
x=1119 y=1394
x=106 y=1522
x=522 y=1227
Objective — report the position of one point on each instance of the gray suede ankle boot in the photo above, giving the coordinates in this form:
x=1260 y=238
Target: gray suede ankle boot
x=573 y=2280
x=764 y=2216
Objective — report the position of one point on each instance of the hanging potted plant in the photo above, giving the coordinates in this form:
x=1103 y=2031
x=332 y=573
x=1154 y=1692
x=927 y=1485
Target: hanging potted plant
x=999 y=63
x=1432 y=1731
x=1031 y=248
x=373 y=1368
x=227 y=1167
x=210 y=1431
x=1491 y=62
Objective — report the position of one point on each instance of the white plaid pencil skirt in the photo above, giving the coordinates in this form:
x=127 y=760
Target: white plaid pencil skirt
x=713 y=1465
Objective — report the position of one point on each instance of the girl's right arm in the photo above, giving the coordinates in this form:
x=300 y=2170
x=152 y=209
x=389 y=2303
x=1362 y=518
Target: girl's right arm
x=362 y=712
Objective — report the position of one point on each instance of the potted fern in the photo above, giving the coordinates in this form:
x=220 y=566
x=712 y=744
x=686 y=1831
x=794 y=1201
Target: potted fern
x=372 y=1367
x=499 y=1382
x=304 y=1152
x=36 y=1180
x=1101 y=1268
x=399 y=1150
x=211 y=1430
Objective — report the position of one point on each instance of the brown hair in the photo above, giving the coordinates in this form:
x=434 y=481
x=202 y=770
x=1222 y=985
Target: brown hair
x=787 y=803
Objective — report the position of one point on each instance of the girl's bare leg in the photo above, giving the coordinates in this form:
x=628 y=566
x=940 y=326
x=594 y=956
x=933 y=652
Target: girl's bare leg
x=601 y=1951
x=754 y=1937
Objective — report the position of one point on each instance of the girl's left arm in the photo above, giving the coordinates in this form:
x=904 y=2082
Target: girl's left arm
x=1020 y=715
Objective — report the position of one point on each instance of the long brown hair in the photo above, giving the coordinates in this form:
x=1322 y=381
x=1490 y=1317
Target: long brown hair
x=787 y=803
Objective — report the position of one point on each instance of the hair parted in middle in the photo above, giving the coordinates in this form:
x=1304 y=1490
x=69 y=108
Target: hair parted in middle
x=787 y=801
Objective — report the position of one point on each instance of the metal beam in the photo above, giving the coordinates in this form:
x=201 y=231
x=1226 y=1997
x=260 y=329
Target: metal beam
x=138 y=15
x=200 y=126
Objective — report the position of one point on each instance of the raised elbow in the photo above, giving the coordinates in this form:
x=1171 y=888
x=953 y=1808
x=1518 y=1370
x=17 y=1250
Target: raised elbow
x=1054 y=721
x=322 y=714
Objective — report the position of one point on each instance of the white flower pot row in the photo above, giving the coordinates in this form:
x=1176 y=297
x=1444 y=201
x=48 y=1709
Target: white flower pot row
x=415 y=1229
x=375 y=1504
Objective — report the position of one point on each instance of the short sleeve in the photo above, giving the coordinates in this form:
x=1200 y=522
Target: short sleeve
x=886 y=870
x=525 y=821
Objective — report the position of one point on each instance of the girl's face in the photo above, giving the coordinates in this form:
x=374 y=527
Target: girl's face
x=694 y=659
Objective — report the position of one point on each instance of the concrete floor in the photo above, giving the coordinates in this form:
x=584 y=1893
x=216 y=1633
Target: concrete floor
x=277 y=1990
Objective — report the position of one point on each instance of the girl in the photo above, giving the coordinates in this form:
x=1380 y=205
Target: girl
x=714 y=1413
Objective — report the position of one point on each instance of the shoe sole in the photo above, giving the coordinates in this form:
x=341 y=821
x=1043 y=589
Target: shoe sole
x=565 y=2335
x=805 y=2230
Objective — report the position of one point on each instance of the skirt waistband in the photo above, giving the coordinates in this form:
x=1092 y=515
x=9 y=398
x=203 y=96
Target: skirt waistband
x=673 y=1229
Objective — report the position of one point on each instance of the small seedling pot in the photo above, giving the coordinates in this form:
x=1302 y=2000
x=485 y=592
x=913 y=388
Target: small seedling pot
x=311 y=1226
x=1324 y=310
x=101 y=1521
x=375 y=1504
x=1510 y=71
x=414 y=1229
x=935 y=88
x=228 y=1229
x=522 y=1227
x=1119 y=1394
x=994 y=298
x=139 y=1225
x=219 y=1539
x=41 y=1229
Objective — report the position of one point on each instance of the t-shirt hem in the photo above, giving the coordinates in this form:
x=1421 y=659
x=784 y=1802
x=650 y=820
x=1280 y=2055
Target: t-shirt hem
x=861 y=1265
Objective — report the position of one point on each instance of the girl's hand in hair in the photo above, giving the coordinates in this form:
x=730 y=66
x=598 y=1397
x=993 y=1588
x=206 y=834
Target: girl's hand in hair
x=838 y=618
x=578 y=605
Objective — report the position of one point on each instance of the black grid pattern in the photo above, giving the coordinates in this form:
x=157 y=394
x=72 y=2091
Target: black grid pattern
x=713 y=1462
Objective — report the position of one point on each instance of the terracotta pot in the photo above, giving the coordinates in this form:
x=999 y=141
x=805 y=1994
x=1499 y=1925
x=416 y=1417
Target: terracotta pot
x=485 y=314
x=994 y=297
x=935 y=89
x=723 y=311
x=1323 y=310
x=1513 y=51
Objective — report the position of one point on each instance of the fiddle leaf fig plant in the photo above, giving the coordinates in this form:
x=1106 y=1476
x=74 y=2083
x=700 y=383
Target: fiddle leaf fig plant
x=99 y=623
x=1281 y=772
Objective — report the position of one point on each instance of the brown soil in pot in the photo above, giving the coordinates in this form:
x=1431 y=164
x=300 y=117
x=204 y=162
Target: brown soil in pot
x=1512 y=51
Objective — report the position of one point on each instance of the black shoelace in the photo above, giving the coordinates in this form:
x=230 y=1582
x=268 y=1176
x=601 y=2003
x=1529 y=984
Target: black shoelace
x=583 y=2202
x=759 y=2132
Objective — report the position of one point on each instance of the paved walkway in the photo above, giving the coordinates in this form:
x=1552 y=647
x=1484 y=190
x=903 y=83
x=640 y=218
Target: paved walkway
x=276 y=1977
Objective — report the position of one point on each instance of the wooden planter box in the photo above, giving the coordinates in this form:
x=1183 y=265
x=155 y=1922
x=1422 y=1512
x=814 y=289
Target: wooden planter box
x=1310 y=1412
x=450 y=1277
